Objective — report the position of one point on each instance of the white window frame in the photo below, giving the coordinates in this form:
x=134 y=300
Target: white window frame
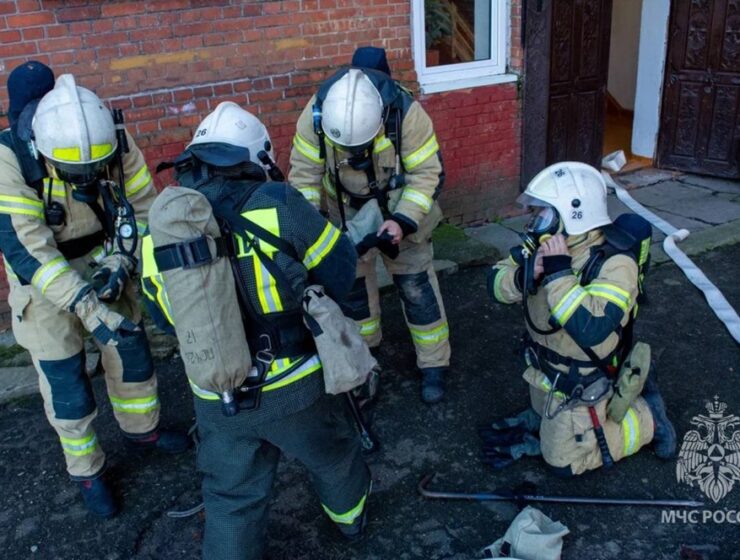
x=466 y=74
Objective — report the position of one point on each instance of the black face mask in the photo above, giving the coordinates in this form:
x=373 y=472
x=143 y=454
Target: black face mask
x=541 y=226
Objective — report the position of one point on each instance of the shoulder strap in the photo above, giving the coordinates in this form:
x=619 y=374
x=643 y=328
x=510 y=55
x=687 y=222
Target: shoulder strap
x=32 y=169
x=239 y=222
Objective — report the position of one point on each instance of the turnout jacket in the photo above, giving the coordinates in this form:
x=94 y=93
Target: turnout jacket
x=327 y=257
x=39 y=254
x=421 y=166
x=591 y=316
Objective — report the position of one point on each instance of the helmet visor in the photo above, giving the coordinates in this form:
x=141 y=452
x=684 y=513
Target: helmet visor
x=544 y=220
x=81 y=173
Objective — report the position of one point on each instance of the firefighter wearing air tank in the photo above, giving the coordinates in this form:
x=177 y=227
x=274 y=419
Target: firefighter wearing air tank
x=363 y=137
x=67 y=238
x=579 y=277
x=277 y=244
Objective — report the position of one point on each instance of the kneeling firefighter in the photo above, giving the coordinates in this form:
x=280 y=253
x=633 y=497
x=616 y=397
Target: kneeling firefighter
x=362 y=137
x=73 y=187
x=277 y=244
x=579 y=277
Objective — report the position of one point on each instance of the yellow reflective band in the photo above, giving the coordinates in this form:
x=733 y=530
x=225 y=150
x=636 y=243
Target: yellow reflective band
x=312 y=194
x=140 y=180
x=21 y=205
x=58 y=188
x=98 y=254
x=644 y=251
x=417 y=197
x=143 y=405
x=307 y=149
x=497 y=285
x=329 y=185
x=381 y=143
x=141 y=227
x=545 y=384
x=326 y=241
x=631 y=429
x=433 y=336
x=568 y=305
x=616 y=295
x=79 y=447
x=66 y=154
x=148 y=264
x=99 y=151
x=163 y=301
x=202 y=393
x=369 y=327
x=348 y=517
x=49 y=272
x=418 y=157
x=311 y=365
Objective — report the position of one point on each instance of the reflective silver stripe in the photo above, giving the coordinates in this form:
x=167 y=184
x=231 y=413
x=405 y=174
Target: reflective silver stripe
x=316 y=252
x=45 y=275
x=567 y=306
x=266 y=290
x=312 y=194
x=615 y=294
x=140 y=180
x=202 y=393
x=21 y=205
x=141 y=405
x=311 y=365
x=381 y=143
x=631 y=428
x=79 y=446
x=417 y=197
x=418 y=157
x=307 y=149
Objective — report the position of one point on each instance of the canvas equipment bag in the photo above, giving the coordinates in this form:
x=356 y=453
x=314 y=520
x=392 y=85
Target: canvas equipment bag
x=191 y=255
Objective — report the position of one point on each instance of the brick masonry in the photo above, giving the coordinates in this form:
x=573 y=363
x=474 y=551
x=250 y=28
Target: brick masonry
x=167 y=63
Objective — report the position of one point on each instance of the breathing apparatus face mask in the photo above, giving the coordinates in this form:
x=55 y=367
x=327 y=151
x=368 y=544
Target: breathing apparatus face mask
x=544 y=223
x=83 y=178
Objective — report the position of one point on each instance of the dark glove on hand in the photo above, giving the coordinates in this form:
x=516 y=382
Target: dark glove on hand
x=111 y=277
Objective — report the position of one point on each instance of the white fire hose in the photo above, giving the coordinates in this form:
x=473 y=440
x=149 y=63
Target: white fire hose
x=714 y=297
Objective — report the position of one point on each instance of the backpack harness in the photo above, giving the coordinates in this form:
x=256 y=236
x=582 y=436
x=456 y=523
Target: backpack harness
x=629 y=235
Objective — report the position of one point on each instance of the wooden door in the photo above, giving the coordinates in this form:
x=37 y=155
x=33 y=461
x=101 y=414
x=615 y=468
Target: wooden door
x=579 y=64
x=700 y=116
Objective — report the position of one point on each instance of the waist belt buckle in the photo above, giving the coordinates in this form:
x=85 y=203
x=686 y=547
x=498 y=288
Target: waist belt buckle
x=194 y=253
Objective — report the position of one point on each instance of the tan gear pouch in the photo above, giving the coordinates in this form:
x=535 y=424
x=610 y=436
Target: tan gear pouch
x=204 y=301
x=630 y=381
x=344 y=354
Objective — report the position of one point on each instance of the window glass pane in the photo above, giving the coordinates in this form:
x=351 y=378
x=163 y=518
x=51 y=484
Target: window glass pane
x=457 y=31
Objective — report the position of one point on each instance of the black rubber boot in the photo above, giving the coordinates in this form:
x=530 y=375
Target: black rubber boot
x=98 y=497
x=164 y=440
x=664 y=436
x=433 y=384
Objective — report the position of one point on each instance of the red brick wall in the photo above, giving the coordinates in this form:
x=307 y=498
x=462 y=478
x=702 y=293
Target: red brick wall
x=167 y=63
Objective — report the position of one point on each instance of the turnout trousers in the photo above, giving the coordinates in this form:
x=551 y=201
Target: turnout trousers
x=568 y=440
x=55 y=340
x=413 y=274
x=239 y=461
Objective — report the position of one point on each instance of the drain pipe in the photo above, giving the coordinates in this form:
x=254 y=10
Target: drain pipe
x=719 y=304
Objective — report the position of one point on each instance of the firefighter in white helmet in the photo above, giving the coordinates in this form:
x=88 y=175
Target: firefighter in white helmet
x=579 y=277
x=68 y=267
x=363 y=137
x=281 y=245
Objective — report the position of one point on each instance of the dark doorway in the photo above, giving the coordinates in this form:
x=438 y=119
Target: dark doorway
x=567 y=60
x=700 y=116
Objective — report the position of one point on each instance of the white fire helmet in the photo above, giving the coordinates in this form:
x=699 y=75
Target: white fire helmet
x=352 y=113
x=74 y=131
x=229 y=136
x=576 y=190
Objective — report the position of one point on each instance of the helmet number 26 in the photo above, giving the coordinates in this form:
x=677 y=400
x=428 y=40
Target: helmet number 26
x=576 y=214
